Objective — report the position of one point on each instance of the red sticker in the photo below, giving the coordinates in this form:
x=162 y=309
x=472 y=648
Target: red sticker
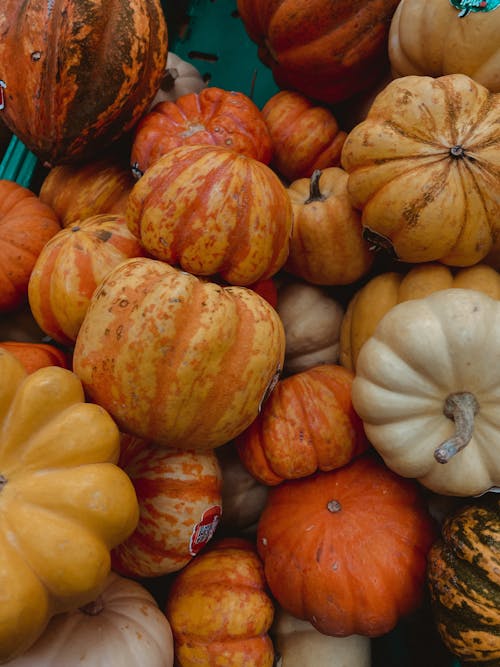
x=204 y=530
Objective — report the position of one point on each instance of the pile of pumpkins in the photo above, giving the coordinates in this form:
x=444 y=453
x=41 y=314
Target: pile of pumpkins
x=251 y=354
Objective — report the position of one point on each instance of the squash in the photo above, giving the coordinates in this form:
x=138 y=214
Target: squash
x=180 y=361
x=70 y=267
x=426 y=390
x=304 y=135
x=210 y=210
x=423 y=169
x=122 y=626
x=433 y=39
x=36 y=355
x=326 y=51
x=219 y=609
x=298 y=644
x=180 y=505
x=327 y=245
x=180 y=77
x=26 y=224
x=372 y=301
x=307 y=424
x=213 y=117
x=346 y=549
x=312 y=320
x=88 y=72
x=65 y=503
x=464 y=580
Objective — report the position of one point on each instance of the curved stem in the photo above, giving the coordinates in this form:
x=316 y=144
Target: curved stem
x=461 y=407
x=314 y=191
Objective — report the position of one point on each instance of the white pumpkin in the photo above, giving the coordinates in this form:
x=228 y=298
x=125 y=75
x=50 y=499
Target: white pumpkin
x=180 y=78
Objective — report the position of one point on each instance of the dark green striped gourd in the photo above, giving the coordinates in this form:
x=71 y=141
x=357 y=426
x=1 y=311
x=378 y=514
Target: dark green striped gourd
x=464 y=582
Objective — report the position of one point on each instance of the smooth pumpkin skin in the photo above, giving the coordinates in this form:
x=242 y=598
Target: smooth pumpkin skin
x=429 y=38
x=327 y=51
x=464 y=580
x=213 y=116
x=65 y=503
x=36 y=355
x=183 y=362
x=327 y=245
x=423 y=169
x=346 y=549
x=26 y=224
x=307 y=424
x=212 y=211
x=370 y=303
x=88 y=73
x=219 y=609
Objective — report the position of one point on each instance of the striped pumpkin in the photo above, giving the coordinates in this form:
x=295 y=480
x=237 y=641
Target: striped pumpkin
x=464 y=582
x=78 y=75
x=178 y=360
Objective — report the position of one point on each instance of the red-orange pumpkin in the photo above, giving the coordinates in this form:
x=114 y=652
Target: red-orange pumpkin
x=26 y=224
x=214 y=117
x=36 y=355
x=347 y=549
x=307 y=424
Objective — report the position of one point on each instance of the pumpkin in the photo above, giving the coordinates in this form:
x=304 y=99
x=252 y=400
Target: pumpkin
x=219 y=609
x=210 y=210
x=327 y=245
x=70 y=267
x=304 y=135
x=87 y=73
x=312 y=319
x=298 y=644
x=213 y=117
x=346 y=549
x=179 y=495
x=77 y=192
x=423 y=169
x=26 y=224
x=307 y=424
x=123 y=626
x=372 y=301
x=36 y=355
x=324 y=51
x=65 y=503
x=464 y=580
x=433 y=39
x=177 y=360
x=179 y=78
x=426 y=390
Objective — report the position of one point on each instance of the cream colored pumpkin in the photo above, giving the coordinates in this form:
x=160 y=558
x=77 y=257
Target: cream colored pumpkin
x=180 y=78
x=427 y=388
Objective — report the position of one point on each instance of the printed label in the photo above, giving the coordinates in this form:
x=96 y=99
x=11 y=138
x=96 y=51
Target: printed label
x=467 y=6
x=204 y=530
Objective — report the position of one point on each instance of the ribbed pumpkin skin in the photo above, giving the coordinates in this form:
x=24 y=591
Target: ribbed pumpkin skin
x=327 y=51
x=307 y=424
x=176 y=490
x=183 y=362
x=464 y=582
x=210 y=210
x=71 y=266
x=36 y=355
x=80 y=74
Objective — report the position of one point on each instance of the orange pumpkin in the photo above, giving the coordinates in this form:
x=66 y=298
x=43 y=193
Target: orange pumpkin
x=347 y=549
x=36 y=355
x=210 y=210
x=214 y=117
x=180 y=495
x=304 y=135
x=26 y=224
x=307 y=424
x=219 y=609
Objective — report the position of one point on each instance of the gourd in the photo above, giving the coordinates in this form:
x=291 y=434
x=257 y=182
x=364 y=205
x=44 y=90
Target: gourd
x=181 y=77
x=425 y=388
x=36 y=355
x=65 y=503
x=122 y=626
x=464 y=580
x=183 y=362
x=88 y=73
x=423 y=169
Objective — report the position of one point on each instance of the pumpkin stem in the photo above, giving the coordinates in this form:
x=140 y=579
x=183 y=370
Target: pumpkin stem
x=314 y=191
x=168 y=80
x=461 y=407
x=333 y=506
x=93 y=608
